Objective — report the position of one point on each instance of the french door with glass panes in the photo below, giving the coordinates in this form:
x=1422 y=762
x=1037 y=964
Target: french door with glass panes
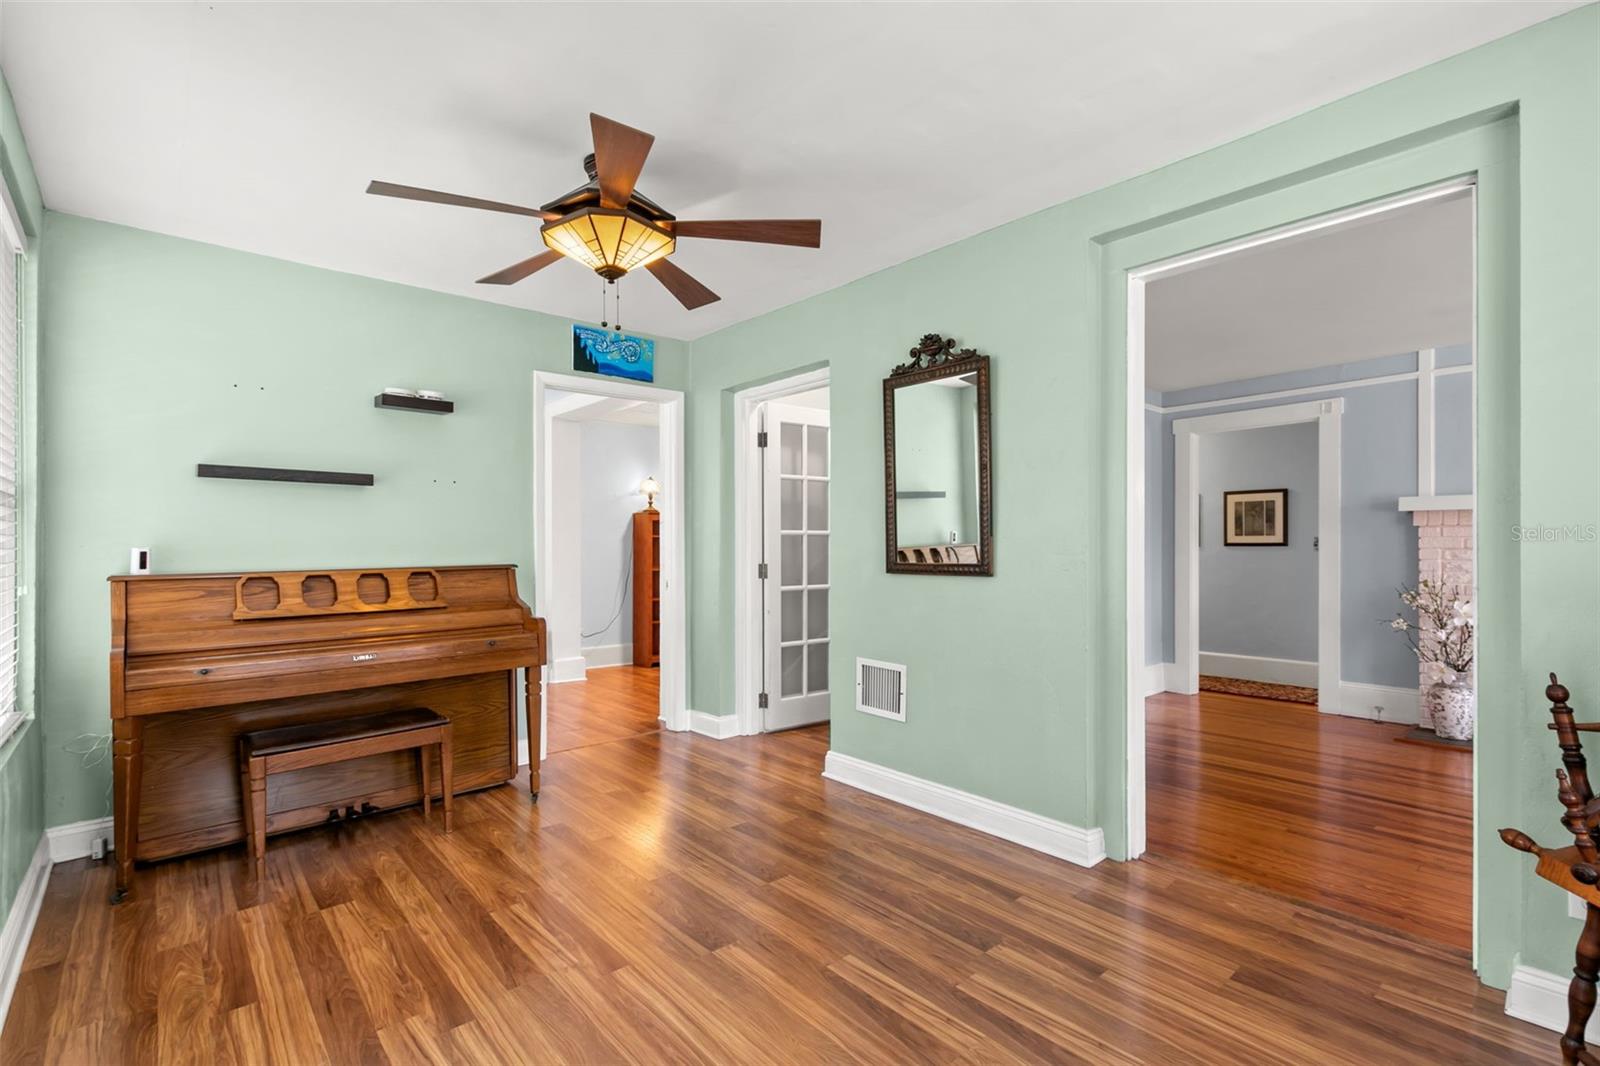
x=794 y=591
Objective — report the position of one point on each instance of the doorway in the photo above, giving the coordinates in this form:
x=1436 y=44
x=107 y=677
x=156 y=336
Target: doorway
x=1357 y=327
x=782 y=474
x=609 y=558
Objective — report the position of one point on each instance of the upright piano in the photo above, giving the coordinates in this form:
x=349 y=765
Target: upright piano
x=197 y=659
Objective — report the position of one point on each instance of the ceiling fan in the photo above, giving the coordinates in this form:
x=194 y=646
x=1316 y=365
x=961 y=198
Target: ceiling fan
x=610 y=227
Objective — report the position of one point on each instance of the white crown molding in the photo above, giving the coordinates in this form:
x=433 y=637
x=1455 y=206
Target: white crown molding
x=1086 y=847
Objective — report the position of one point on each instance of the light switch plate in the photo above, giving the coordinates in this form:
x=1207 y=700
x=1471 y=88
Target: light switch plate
x=1575 y=907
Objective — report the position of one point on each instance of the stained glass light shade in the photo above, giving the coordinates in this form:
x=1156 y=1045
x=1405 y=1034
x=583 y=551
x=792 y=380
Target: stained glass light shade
x=607 y=241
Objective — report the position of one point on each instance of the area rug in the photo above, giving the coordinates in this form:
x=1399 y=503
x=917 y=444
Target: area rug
x=1236 y=686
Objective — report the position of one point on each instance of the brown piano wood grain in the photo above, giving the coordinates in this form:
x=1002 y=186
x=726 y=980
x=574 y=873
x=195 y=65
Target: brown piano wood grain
x=673 y=898
x=188 y=676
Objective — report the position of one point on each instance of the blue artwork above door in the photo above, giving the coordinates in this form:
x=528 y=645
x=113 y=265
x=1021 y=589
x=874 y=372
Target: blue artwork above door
x=598 y=351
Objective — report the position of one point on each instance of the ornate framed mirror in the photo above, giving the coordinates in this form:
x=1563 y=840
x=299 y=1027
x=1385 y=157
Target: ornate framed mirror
x=939 y=517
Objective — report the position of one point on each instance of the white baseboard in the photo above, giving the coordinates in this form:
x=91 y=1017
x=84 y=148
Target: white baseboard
x=1378 y=702
x=1540 y=997
x=1086 y=847
x=715 y=726
x=569 y=669
x=19 y=922
x=608 y=655
x=75 y=840
x=1259 y=668
x=1160 y=677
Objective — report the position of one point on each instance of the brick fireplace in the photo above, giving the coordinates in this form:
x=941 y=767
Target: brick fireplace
x=1444 y=556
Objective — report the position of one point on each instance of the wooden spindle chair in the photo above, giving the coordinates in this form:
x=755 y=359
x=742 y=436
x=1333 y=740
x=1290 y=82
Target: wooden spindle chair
x=1575 y=868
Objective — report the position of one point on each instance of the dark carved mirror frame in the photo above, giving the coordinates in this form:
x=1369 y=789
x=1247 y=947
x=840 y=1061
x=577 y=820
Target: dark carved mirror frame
x=933 y=358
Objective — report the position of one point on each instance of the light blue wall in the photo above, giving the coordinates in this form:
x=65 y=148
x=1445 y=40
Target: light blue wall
x=1452 y=435
x=613 y=460
x=1379 y=466
x=1259 y=600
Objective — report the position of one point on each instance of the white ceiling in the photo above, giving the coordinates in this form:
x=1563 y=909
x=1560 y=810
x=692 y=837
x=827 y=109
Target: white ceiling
x=904 y=127
x=587 y=407
x=1390 y=283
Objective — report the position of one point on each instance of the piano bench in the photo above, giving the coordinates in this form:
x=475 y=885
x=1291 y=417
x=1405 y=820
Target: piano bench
x=294 y=747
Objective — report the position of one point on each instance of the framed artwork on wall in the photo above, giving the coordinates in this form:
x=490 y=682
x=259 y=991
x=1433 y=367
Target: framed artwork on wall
x=617 y=355
x=1255 y=518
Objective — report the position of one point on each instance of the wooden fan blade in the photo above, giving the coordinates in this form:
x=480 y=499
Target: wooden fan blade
x=619 y=155
x=517 y=271
x=800 y=232
x=690 y=293
x=433 y=196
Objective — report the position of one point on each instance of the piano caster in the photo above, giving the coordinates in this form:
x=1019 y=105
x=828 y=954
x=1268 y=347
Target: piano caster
x=118 y=895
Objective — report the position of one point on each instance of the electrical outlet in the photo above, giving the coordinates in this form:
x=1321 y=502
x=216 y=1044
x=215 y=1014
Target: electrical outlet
x=1576 y=908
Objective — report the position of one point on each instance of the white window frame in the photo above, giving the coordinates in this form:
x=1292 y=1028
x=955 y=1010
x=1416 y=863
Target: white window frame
x=13 y=709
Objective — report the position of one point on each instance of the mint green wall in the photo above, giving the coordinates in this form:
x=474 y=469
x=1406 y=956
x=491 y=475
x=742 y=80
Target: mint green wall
x=21 y=761
x=160 y=353
x=1030 y=712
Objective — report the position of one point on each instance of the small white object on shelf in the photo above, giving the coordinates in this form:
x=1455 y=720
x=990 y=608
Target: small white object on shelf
x=430 y=394
x=392 y=390
x=138 y=560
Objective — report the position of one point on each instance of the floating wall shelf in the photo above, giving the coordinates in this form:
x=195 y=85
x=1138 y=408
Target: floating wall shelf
x=936 y=494
x=412 y=403
x=273 y=473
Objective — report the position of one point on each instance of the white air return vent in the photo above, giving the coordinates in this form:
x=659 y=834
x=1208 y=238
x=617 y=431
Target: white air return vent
x=881 y=689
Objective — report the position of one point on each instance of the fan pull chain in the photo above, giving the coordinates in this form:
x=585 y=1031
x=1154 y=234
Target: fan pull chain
x=619 y=307
x=603 y=322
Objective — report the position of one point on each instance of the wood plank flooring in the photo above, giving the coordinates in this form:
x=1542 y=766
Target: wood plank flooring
x=615 y=702
x=1316 y=807
x=674 y=899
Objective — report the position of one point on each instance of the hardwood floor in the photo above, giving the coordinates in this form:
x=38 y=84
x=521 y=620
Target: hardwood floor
x=676 y=899
x=1316 y=807
x=616 y=702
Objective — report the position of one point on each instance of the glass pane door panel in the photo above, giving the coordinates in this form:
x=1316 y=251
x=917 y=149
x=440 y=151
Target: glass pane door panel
x=789 y=501
x=816 y=559
x=816 y=506
x=793 y=623
x=816 y=613
x=789 y=553
x=792 y=681
x=817 y=451
x=789 y=447
x=817 y=666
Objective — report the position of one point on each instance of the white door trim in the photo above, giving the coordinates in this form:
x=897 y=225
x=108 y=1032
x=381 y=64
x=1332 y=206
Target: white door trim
x=670 y=501
x=1326 y=415
x=1134 y=614
x=747 y=650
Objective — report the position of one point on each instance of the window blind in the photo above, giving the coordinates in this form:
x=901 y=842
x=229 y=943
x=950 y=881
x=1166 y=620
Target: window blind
x=10 y=393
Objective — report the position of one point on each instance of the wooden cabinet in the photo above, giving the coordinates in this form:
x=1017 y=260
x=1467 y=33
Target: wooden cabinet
x=647 y=588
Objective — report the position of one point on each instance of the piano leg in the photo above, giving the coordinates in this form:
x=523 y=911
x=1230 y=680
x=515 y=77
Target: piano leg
x=531 y=676
x=127 y=766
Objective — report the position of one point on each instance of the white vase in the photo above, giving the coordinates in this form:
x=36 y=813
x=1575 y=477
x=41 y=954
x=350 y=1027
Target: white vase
x=1428 y=708
x=1456 y=715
